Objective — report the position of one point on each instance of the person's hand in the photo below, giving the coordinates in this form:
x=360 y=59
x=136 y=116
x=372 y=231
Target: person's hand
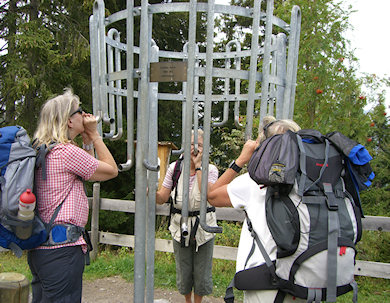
x=246 y=153
x=90 y=128
x=197 y=159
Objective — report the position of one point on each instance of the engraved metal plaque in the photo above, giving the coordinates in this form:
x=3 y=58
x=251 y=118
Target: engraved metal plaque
x=168 y=71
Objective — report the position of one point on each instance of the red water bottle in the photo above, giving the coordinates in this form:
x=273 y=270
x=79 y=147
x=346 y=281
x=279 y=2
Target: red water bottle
x=27 y=203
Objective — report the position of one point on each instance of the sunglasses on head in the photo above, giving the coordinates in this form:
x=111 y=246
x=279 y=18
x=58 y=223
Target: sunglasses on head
x=79 y=110
x=265 y=128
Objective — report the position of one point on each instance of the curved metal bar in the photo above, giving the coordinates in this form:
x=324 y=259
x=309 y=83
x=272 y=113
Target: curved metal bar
x=201 y=7
x=207 y=120
x=226 y=92
x=111 y=98
x=93 y=25
x=237 y=85
x=272 y=86
x=98 y=8
x=130 y=88
x=152 y=167
x=116 y=59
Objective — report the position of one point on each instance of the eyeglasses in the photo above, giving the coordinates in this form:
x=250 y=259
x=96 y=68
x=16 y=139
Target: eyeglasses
x=79 y=110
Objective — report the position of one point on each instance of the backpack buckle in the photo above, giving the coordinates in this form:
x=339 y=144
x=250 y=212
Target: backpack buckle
x=330 y=197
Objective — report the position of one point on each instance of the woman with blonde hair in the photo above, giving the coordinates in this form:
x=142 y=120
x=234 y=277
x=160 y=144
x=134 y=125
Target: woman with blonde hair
x=57 y=269
x=245 y=194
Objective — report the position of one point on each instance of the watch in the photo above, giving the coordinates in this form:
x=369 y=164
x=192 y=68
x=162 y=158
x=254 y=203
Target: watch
x=198 y=168
x=235 y=167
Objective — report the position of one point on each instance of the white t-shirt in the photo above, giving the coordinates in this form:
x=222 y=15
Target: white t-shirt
x=246 y=194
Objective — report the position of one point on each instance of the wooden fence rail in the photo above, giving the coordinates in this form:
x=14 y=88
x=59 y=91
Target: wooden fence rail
x=362 y=268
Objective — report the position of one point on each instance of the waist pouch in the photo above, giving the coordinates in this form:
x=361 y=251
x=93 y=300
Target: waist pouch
x=63 y=234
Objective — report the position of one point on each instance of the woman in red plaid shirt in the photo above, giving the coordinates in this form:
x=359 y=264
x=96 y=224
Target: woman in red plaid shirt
x=58 y=269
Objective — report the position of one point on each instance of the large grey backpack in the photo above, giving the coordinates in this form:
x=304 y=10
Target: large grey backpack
x=313 y=218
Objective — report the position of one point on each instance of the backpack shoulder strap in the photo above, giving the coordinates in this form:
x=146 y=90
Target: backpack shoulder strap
x=267 y=259
x=42 y=151
x=176 y=172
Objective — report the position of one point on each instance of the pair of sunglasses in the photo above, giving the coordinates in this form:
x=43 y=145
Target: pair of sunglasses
x=265 y=128
x=79 y=110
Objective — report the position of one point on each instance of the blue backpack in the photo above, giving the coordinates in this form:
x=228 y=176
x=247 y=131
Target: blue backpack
x=17 y=165
x=18 y=162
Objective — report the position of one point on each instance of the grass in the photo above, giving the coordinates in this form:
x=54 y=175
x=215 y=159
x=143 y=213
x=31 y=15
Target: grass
x=120 y=261
x=375 y=246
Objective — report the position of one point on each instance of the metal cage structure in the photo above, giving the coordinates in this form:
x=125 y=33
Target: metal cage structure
x=124 y=73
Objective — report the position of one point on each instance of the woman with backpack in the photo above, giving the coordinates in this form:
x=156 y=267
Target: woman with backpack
x=194 y=253
x=245 y=194
x=57 y=266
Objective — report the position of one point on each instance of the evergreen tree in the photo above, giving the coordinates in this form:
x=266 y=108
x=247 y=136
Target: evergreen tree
x=46 y=50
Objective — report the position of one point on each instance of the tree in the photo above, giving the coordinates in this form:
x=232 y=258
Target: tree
x=46 y=50
x=377 y=198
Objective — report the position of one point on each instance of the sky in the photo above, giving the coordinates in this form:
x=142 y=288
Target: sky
x=369 y=38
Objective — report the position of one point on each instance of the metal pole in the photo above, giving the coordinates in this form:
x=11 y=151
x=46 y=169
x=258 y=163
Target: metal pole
x=207 y=119
x=266 y=60
x=292 y=59
x=141 y=151
x=280 y=57
x=152 y=182
x=188 y=116
x=253 y=70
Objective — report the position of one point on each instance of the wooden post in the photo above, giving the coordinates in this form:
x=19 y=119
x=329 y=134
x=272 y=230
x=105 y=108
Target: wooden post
x=95 y=220
x=14 y=288
x=164 y=153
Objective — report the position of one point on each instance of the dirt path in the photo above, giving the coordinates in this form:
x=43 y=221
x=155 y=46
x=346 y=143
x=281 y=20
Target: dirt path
x=117 y=290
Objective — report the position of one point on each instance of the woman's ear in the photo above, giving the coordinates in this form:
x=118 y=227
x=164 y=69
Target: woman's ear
x=70 y=123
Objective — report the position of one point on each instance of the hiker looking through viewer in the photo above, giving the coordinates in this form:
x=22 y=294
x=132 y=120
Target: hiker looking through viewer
x=245 y=194
x=194 y=253
x=57 y=270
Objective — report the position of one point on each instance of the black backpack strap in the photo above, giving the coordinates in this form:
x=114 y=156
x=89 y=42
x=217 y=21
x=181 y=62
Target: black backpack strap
x=267 y=259
x=229 y=294
x=194 y=229
x=176 y=172
x=280 y=296
x=175 y=178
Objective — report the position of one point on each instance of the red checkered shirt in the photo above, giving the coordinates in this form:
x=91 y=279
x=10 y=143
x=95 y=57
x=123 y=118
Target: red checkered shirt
x=65 y=165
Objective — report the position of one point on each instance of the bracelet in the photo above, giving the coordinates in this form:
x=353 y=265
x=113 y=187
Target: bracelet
x=88 y=146
x=198 y=168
